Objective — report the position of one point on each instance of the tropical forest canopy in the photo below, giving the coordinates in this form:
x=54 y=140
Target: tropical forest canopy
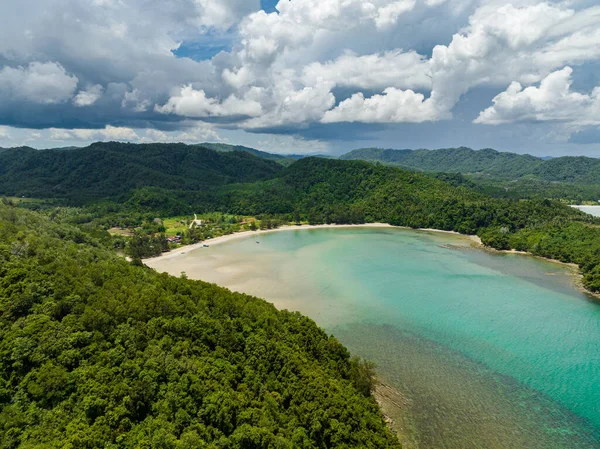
x=487 y=163
x=283 y=159
x=113 y=170
x=501 y=174
x=96 y=352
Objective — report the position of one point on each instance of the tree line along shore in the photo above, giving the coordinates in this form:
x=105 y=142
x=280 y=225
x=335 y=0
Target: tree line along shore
x=98 y=351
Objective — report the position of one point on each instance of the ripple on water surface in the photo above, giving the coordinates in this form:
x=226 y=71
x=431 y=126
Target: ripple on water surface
x=488 y=351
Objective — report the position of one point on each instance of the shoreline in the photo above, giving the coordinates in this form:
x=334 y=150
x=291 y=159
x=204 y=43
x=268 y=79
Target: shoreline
x=574 y=269
x=237 y=235
x=476 y=242
x=394 y=406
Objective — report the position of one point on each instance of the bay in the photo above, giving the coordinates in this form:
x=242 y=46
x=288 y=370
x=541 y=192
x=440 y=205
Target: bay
x=483 y=350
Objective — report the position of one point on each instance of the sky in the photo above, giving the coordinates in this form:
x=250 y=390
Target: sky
x=303 y=76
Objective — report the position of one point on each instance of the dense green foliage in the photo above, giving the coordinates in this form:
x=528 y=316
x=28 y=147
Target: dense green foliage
x=324 y=189
x=455 y=160
x=98 y=353
x=487 y=163
x=283 y=159
x=526 y=188
x=113 y=170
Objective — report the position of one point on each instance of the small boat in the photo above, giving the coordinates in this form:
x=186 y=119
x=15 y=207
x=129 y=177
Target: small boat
x=205 y=246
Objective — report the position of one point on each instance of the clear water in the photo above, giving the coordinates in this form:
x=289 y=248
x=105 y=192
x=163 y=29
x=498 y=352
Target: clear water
x=488 y=350
x=592 y=210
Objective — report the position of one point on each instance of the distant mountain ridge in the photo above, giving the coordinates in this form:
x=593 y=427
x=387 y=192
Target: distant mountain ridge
x=486 y=163
x=283 y=159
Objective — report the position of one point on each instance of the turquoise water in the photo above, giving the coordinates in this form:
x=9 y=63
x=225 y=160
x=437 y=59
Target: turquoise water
x=488 y=350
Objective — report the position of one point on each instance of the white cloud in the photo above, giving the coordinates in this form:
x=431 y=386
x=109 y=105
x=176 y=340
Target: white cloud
x=194 y=103
x=376 y=71
x=285 y=144
x=224 y=13
x=294 y=106
x=388 y=15
x=198 y=133
x=44 y=83
x=108 y=133
x=134 y=101
x=283 y=68
x=338 y=14
x=4 y=133
x=88 y=97
x=501 y=44
x=523 y=41
x=393 y=106
x=553 y=100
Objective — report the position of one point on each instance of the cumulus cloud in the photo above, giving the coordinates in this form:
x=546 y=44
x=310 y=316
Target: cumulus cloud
x=44 y=83
x=112 y=62
x=375 y=71
x=501 y=43
x=224 y=13
x=88 y=97
x=291 y=106
x=553 y=100
x=199 y=132
x=337 y=14
x=394 y=106
x=388 y=15
x=194 y=103
x=115 y=133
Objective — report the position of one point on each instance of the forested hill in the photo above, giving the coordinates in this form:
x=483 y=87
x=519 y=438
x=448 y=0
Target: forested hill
x=170 y=180
x=283 y=159
x=326 y=190
x=112 y=170
x=333 y=191
x=486 y=162
x=96 y=353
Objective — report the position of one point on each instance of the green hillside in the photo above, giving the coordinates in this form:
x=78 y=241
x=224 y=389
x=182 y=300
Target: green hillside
x=356 y=191
x=454 y=160
x=112 y=170
x=487 y=163
x=571 y=169
x=97 y=353
x=283 y=159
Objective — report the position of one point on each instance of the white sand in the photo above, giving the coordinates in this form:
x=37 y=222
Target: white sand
x=237 y=235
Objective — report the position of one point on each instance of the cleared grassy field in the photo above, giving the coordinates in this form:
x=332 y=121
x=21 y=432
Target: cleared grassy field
x=176 y=225
x=20 y=200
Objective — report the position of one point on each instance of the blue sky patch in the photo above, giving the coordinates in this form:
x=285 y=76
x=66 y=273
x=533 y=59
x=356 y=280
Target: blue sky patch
x=269 y=5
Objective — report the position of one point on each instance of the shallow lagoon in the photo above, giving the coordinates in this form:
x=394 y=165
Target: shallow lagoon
x=592 y=210
x=487 y=350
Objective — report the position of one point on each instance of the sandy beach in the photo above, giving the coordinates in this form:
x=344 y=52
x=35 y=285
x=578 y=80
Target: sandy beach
x=476 y=242
x=227 y=238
